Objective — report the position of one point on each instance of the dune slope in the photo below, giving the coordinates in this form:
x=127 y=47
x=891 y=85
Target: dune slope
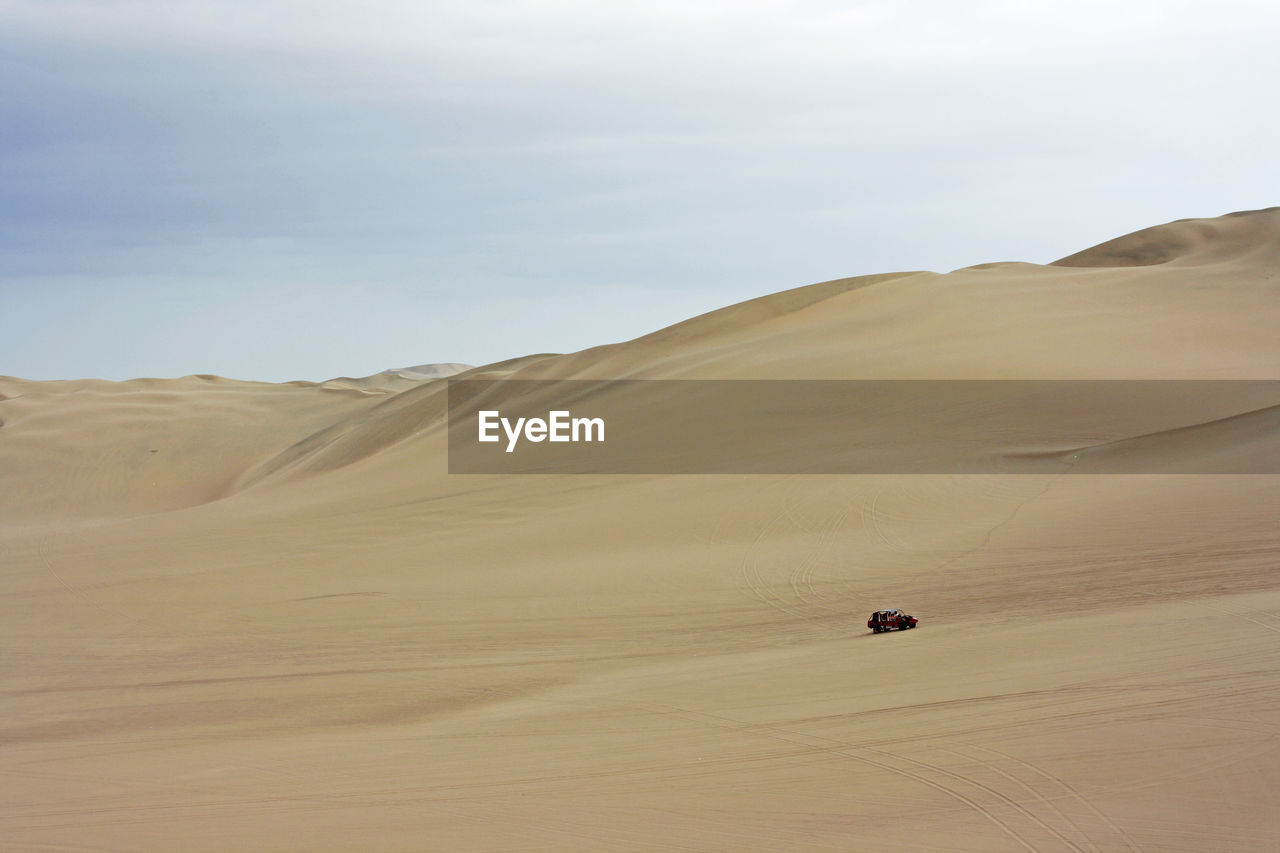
x=249 y=616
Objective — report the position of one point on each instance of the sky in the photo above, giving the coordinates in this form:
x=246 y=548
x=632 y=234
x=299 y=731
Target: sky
x=288 y=189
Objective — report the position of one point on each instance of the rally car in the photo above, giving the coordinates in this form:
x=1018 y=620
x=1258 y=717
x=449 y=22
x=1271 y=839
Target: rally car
x=887 y=620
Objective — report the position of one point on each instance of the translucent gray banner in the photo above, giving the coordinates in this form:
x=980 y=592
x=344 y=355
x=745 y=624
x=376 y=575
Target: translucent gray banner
x=864 y=426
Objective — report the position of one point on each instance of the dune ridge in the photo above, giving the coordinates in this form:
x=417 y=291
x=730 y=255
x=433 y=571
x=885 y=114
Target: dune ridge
x=1186 y=241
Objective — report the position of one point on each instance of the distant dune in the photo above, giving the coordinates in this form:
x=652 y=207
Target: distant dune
x=1197 y=242
x=398 y=378
x=429 y=371
x=253 y=616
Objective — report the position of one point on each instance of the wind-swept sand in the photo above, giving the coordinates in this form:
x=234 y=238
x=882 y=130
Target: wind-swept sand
x=248 y=616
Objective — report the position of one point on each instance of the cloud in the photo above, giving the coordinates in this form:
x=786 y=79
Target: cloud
x=487 y=151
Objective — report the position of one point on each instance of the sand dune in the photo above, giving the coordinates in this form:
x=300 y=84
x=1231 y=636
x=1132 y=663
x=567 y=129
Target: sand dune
x=430 y=371
x=398 y=378
x=249 y=616
x=1189 y=242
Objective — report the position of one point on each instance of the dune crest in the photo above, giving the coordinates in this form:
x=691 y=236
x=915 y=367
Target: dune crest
x=1188 y=241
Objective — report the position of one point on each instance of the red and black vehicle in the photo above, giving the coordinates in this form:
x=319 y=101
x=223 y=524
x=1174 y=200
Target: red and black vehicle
x=888 y=620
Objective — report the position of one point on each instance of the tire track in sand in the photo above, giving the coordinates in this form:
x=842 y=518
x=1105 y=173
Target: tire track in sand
x=853 y=752
x=753 y=577
x=999 y=795
x=1067 y=787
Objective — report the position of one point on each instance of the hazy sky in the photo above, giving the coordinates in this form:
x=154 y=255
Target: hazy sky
x=302 y=189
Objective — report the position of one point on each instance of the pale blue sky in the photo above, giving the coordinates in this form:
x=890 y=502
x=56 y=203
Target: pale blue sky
x=294 y=190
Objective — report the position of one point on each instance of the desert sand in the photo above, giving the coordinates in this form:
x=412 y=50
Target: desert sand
x=249 y=616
